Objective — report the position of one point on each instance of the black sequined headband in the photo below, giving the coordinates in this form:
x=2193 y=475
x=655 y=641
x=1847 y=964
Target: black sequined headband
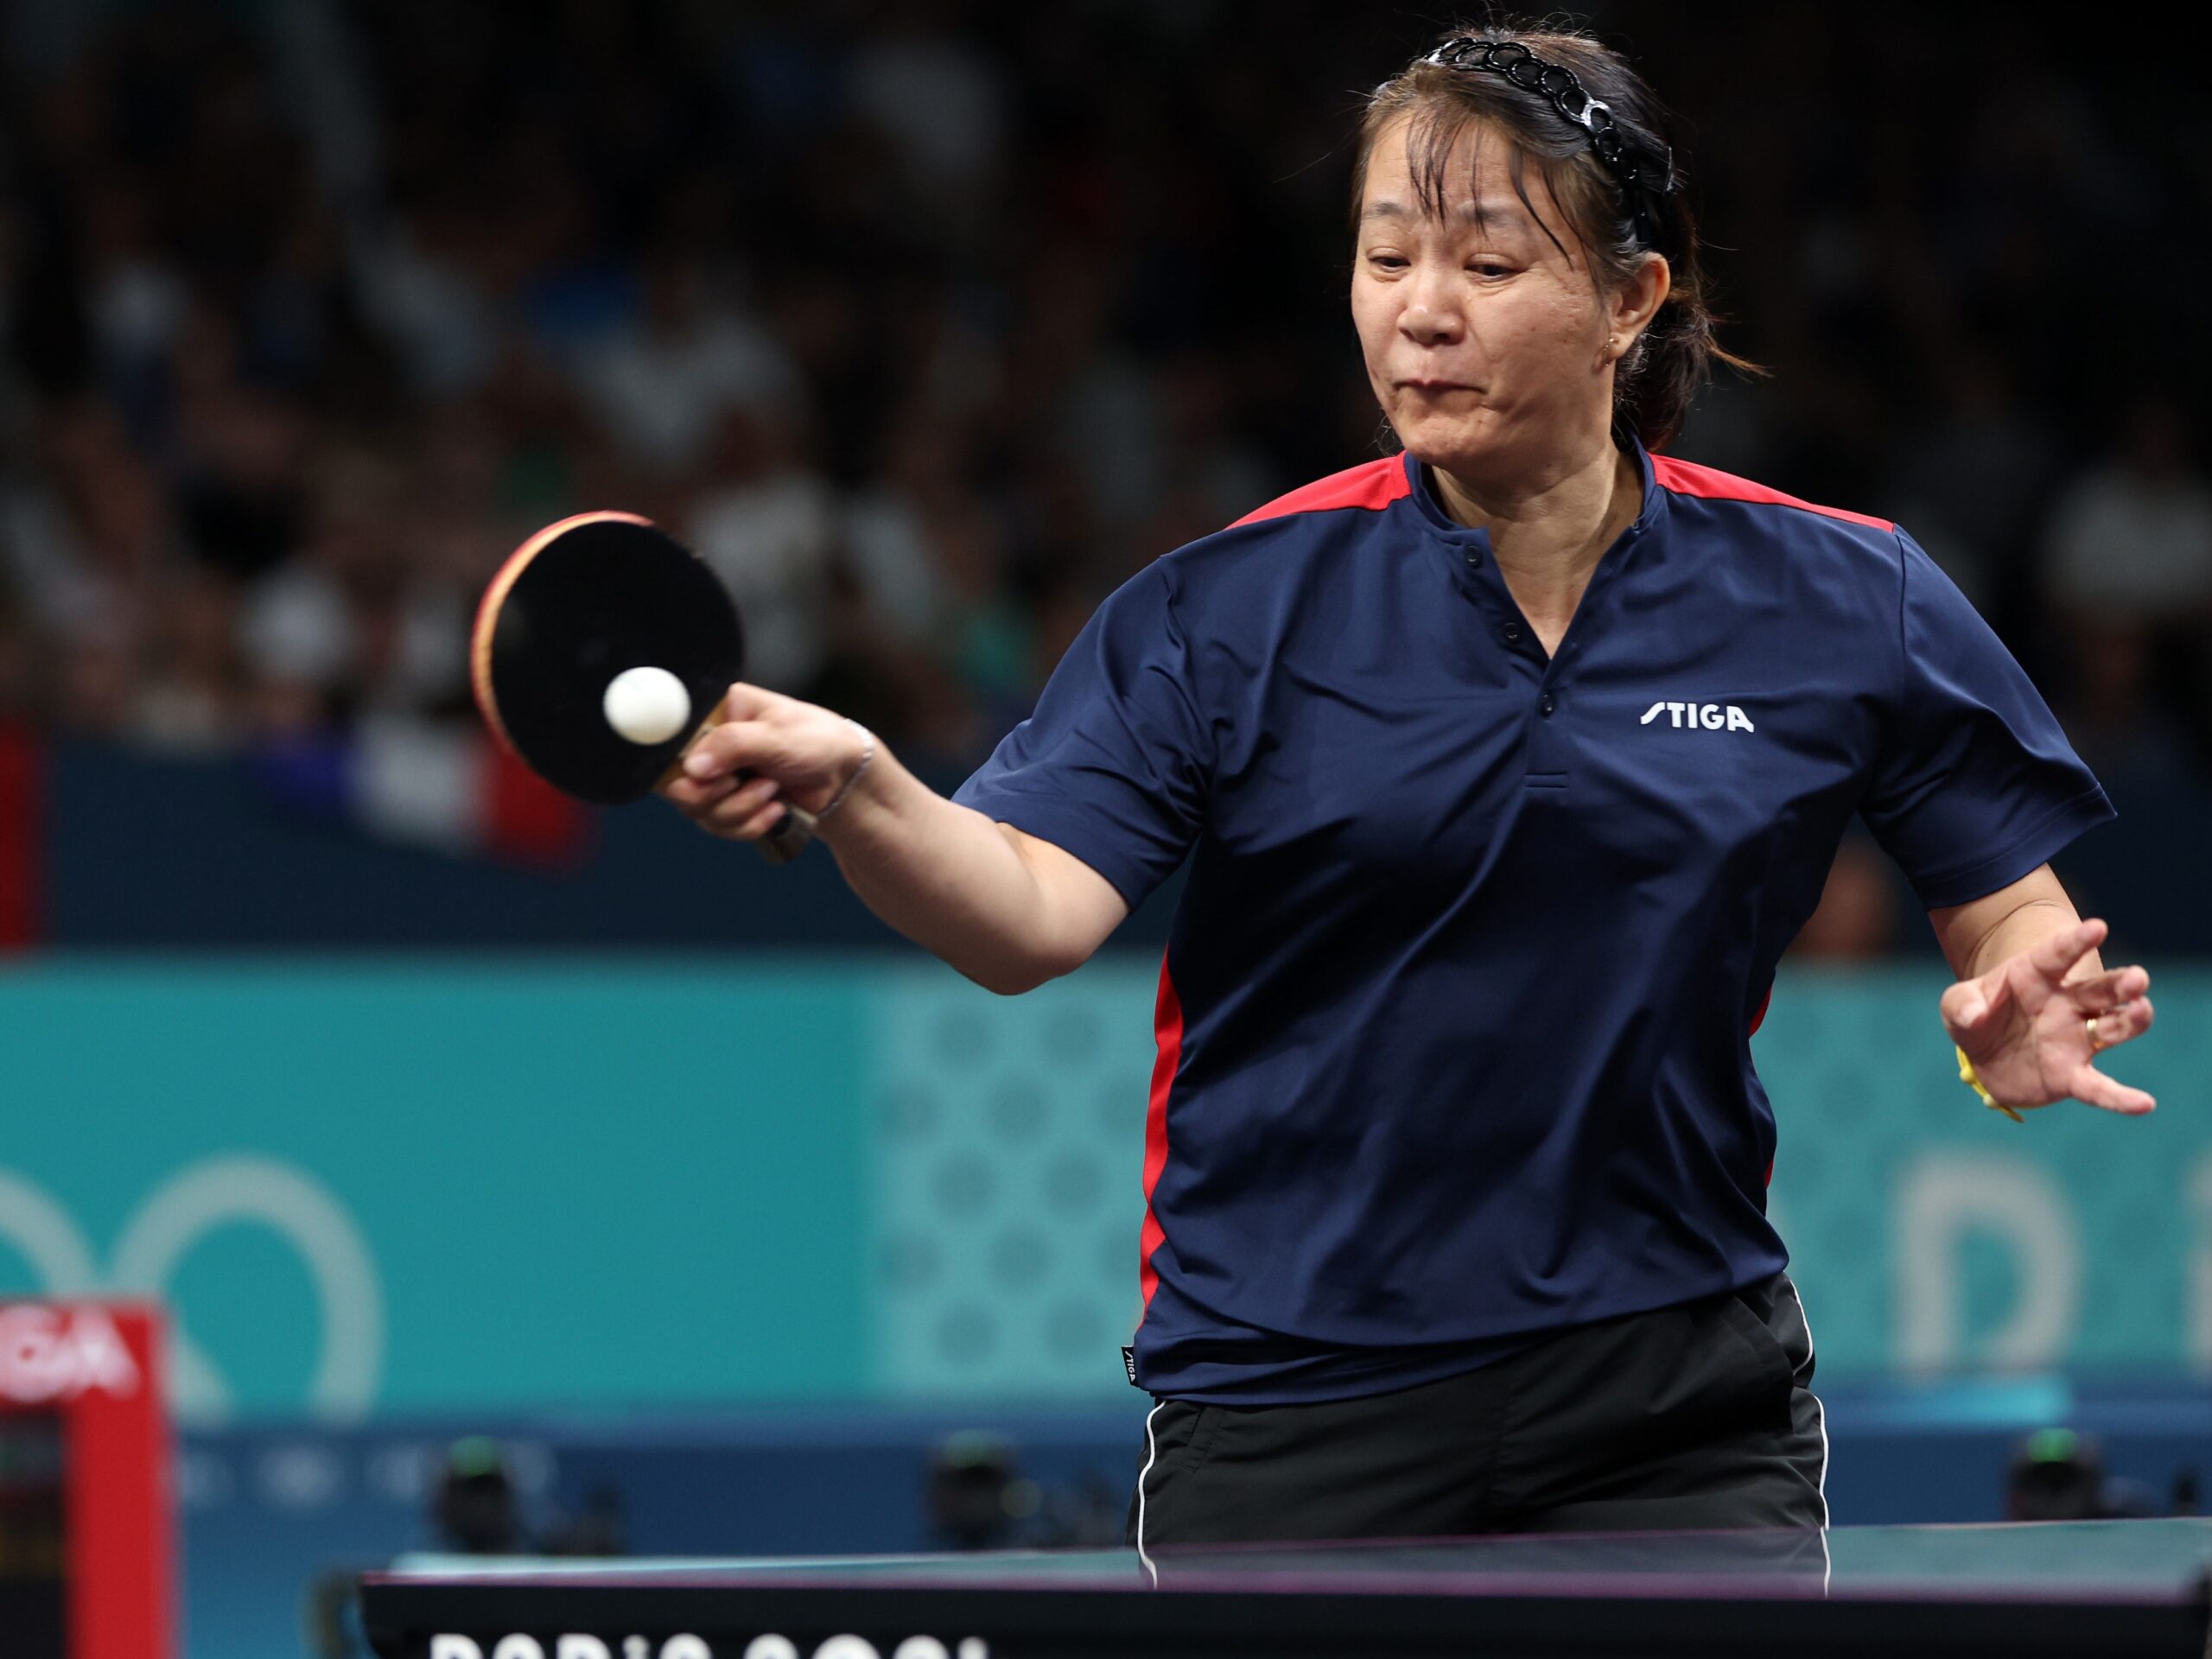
x=1640 y=174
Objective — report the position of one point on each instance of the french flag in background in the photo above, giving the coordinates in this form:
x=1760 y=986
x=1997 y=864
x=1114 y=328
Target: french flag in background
x=447 y=787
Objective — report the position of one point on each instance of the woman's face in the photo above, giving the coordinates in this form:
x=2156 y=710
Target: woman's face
x=1483 y=341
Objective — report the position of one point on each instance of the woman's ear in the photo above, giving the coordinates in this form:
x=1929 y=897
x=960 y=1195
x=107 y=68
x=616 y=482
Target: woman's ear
x=1638 y=299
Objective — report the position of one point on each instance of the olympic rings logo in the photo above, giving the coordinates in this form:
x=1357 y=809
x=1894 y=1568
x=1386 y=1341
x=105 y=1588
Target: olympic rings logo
x=196 y=1201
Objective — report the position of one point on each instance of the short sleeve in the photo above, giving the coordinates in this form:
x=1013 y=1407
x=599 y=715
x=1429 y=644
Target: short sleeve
x=1113 y=765
x=1977 y=786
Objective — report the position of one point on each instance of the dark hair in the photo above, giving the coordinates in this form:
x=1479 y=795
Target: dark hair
x=1655 y=384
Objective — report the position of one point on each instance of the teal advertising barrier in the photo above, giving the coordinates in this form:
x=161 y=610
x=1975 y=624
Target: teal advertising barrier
x=416 y=1185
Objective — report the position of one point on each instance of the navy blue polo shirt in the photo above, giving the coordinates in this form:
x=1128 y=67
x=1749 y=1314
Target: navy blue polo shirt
x=1454 y=1022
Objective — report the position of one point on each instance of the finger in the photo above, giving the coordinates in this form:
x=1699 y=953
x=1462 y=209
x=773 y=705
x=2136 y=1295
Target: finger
x=738 y=745
x=758 y=824
x=743 y=702
x=746 y=798
x=2108 y=990
x=2053 y=957
x=738 y=808
x=751 y=795
x=1964 y=1006
x=2108 y=1093
x=694 y=796
x=2117 y=1025
x=1972 y=1003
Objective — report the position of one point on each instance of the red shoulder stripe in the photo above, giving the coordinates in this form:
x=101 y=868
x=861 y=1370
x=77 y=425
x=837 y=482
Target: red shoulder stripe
x=1686 y=477
x=1372 y=483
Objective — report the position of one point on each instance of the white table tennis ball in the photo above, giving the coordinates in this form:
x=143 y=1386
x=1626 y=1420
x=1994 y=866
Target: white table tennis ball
x=647 y=705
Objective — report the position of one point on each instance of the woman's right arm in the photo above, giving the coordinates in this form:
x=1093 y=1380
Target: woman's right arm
x=1006 y=909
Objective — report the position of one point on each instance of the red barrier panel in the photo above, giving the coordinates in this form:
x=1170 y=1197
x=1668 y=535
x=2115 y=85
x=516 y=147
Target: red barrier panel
x=87 y=1523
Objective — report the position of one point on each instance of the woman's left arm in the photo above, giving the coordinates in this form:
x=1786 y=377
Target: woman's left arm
x=2035 y=1004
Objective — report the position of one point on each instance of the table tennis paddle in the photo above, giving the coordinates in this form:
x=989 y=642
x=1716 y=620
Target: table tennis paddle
x=577 y=605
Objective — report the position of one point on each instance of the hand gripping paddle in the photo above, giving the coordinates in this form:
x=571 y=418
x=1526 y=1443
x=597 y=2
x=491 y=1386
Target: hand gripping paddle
x=580 y=603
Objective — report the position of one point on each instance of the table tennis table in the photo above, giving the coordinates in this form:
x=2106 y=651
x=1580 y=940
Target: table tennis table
x=2107 y=1588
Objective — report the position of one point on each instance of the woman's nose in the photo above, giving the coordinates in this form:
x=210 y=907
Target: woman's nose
x=1431 y=316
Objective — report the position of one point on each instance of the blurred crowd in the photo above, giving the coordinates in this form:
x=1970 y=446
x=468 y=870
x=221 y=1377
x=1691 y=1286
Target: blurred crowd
x=929 y=322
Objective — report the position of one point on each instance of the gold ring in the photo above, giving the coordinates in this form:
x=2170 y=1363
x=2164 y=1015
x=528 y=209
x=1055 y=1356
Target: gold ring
x=2095 y=1047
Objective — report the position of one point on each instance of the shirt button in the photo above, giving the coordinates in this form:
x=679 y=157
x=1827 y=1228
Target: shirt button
x=1512 y=632
x=1473 y=557
x=1544 y=704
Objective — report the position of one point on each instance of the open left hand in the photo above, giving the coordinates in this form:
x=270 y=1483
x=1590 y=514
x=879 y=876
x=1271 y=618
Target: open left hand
x=2032 y=1036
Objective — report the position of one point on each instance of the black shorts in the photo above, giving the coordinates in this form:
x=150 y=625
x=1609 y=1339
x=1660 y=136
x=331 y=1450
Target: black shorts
x=1697 y=1415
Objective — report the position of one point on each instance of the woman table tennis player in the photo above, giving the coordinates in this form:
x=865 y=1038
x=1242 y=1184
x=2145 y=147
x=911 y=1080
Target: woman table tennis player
x=1508 y=765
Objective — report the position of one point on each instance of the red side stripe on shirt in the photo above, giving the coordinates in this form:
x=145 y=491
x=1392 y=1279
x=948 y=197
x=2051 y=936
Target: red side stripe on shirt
x=1758 y=1019
x=1167 y=1032
x=1373 y=485
x=1686 y=478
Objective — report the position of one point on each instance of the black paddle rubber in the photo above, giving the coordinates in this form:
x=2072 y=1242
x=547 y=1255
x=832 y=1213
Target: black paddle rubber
x=580 y=603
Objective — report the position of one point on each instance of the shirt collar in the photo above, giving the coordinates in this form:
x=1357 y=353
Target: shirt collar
x=1433 y=515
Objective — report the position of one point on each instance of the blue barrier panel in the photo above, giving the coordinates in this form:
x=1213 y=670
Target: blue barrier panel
x=235 y=865
x=271 y=1510
x=241 y=862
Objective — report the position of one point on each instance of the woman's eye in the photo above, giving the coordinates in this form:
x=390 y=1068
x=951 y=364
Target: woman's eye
x=1490 y=268
x=1387 y=261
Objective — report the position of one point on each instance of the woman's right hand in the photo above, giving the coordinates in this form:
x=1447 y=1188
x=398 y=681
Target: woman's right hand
x=768 y=753
x=1006 y=909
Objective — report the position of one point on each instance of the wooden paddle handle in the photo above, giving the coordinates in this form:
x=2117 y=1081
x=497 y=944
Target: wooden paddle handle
x=788 y=839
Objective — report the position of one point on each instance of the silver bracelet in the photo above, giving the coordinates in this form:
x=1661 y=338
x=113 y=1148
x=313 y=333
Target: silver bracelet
x=867 y=754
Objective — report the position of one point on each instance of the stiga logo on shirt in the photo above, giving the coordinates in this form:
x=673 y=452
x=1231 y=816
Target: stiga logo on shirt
x=1708 y=716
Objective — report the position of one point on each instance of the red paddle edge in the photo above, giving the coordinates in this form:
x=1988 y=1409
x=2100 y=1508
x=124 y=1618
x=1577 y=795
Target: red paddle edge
x=487 y=615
